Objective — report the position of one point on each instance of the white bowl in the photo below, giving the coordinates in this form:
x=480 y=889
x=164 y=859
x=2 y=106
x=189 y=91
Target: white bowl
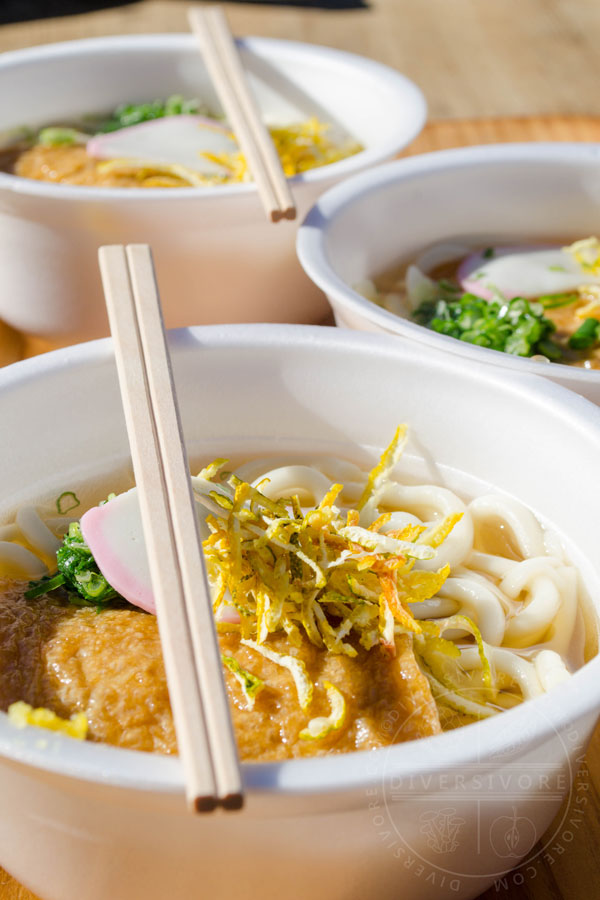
x=87 y=820
x=217 y=256
x=505 y=192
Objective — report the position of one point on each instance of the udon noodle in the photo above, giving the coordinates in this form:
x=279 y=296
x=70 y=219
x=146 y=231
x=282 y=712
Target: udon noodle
x=368 y=595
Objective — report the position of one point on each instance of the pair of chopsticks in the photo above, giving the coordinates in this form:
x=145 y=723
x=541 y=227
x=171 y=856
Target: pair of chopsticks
x=224 y=66
x=191 y=652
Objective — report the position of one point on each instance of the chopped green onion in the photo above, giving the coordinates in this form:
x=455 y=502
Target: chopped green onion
x=516 y=326
x=551 y=350
x=586 y=335
x=77 y=573
x=56 y=136
x=554 y=301
x=67 y=501
x=133 y=113
x=44 y=586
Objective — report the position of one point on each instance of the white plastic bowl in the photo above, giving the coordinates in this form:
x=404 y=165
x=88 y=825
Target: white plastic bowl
x=83 y=820
x=217 y=256
x=505 y=192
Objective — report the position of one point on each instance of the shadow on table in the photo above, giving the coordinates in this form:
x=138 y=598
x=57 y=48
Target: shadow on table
x=25 y=10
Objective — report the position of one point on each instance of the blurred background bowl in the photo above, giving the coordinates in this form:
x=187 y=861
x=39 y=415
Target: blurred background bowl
x=507 y=193
x=218 y=259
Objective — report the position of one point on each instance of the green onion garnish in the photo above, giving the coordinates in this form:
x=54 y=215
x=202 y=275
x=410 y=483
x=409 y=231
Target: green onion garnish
x=516 y=326
x=55 y=136
x=586 y=335
x=67 y=501
x=44 y=585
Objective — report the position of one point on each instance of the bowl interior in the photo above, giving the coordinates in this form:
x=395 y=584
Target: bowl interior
x=310 y=389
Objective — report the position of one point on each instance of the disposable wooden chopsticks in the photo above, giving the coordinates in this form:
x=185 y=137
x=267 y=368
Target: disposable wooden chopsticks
x=224 y=66
x=191 y=653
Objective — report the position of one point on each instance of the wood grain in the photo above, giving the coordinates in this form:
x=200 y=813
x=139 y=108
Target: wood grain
x=473 y=59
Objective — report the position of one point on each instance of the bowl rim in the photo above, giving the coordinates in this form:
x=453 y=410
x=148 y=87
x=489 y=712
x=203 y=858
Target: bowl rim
x=311 y=242
x=333 y=775
x=409 y=96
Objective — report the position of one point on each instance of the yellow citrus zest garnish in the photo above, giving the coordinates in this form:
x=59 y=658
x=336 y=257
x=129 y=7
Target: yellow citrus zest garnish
x=22 y=714
x=251 y=685
x=587 y=253
x=300 y=146
x=319 y=727
x=316 y=572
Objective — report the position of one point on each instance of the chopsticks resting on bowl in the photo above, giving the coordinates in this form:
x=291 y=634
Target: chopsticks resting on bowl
x=191 y=653
x=224 y=66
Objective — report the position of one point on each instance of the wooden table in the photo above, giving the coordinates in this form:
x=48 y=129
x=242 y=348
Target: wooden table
x=476 y=60
x=471 y=57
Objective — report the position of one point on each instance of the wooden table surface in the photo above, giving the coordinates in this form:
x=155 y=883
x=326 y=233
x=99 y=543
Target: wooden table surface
x=476 y=60
x=471 y=57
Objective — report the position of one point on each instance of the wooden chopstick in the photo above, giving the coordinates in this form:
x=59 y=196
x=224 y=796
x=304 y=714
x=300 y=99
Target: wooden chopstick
x=205 y=736
x=224 y=66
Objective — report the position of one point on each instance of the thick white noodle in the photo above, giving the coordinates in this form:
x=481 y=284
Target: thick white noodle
x=521 y=574
x=477 y=578
x=9 y=532
x=400 y=520
x=563 y=627
x=431 y=503
x=526 y=531
x=550 y=669
x=308 y=483
x=14 y=557
x=531 y=622
x=36 y=533
x=496 y=566
x=435 y=608
x=478 y=603
x=521 y=671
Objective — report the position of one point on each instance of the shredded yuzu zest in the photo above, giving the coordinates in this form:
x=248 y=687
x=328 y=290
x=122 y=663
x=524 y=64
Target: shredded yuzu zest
x=381 y=473
x=21 y=715
x=304 y=686
x=440 y=661
x=300 y=146
x=251 y=685
x=589 y=295
x=587 y=253
x=285 y=568
x=458 y=702
x=321 y=726
x=469 y=625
